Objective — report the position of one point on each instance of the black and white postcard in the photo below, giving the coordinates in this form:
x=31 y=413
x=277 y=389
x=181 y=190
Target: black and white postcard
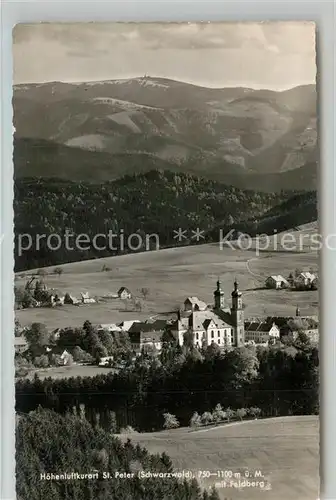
x=166 y=261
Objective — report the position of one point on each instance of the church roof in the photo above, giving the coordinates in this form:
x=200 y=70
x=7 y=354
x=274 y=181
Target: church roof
x=195 y=301
x=200 y=320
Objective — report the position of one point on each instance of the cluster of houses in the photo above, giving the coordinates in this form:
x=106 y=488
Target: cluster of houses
x=203 y=325
x=53 y=297
x=303 y=281
x=216 y=323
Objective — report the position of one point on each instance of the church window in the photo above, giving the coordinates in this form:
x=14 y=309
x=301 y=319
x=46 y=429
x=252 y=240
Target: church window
x=212 y=334
x=219 y=341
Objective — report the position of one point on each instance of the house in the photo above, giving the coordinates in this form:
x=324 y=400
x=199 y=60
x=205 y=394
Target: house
x=147 y=334
x=66 y=358
x=304 y=280
x=86 y=298
x=219 y=325
x=261 y=332
x=56 y=298
x=126 y=325
x=106 y=361
x=109 y=327
x=276 y=282
x=194 y=304
x=147 y=341
x=309 y=326
x=20 y=344
x=124 y=293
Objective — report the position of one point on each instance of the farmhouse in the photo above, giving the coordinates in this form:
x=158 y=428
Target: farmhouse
x=146 y=340
x=261 y=332
x=126 y=325
x=304 y=279
x=207 y=325
x=20 y=344
x=56 y=298
x=106 y=361
x=124 y=293
x=66 y=358
x=110 y=327
x=86 y=299
x=276 y=281
x=147 y=335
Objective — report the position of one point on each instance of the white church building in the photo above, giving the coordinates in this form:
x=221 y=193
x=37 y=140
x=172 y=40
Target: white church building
x=219 y=324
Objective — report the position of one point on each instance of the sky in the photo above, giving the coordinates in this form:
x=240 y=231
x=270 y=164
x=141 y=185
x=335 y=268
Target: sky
x=275 y=55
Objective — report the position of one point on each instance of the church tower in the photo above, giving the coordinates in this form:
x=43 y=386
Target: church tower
x=218 y=297
x=237 y=315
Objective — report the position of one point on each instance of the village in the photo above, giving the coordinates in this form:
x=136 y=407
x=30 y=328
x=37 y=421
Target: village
x=220 y=324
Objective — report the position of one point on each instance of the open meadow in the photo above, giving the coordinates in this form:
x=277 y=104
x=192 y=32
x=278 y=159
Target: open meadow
x=171 y=275
x=285 y=450
x=61 y=372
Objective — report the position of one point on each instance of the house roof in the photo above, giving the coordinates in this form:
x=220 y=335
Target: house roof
x=122 y=289
x=278 y=278
x=126 y=325
x=262 y=326
x=307 y=275
x=143 y=327
x=200 y=320
x=110 y=327
x=153 y=336
x=195 y=301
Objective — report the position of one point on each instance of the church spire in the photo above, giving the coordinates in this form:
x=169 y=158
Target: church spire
x=236 y=291
x=219 y=296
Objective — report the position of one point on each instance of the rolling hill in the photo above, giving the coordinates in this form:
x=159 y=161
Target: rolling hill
x=224 y=134
x=285 y=450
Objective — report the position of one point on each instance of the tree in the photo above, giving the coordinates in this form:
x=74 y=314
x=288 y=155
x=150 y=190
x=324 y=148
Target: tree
x=254 y=412
x=297 y=272
x=41 y=272
x=80 y=356
x=195 y=420
x=41 y=361
x=241 y=413
x=230 y=414
x=137 y=305
x=188 y=339
x=207 y=418
x=219 y=414
x=144 y=292
x=170 y=421
x=302 y=340
x=37 y=335
x=40 y=293
x=58 y=271
x=212 y=351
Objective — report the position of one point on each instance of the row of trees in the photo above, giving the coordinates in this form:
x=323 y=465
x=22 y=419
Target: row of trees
x=278 y=380
x=217 y=416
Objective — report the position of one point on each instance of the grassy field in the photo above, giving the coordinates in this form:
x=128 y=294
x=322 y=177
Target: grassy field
x=172 y=275
x=70 y=371
x=284 y=449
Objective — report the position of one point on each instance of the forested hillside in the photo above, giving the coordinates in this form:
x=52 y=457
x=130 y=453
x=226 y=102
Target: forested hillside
x=47 y=442
x=158 y=202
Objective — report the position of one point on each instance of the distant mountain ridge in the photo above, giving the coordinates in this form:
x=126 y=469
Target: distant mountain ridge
x=233 y=135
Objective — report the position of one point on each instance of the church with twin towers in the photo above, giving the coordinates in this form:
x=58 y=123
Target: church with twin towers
x=219 y=323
